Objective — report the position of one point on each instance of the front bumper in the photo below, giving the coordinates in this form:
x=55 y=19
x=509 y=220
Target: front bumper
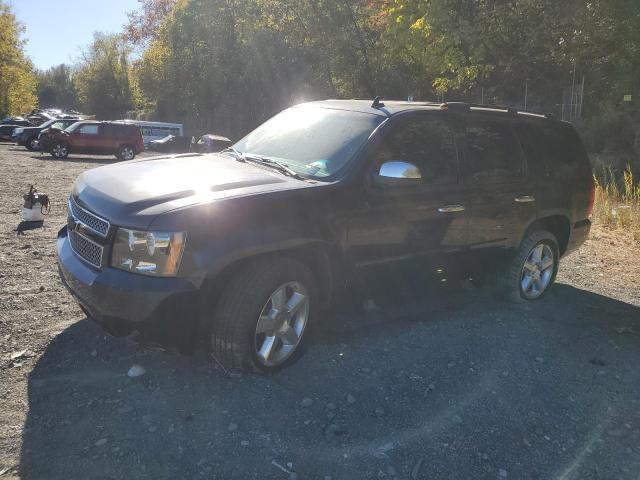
x=121 y=301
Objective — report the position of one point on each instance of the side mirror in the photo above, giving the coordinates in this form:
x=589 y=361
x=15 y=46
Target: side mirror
x=398 y=173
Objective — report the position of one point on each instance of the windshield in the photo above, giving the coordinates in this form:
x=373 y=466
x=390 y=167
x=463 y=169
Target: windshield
x=73 y=127
x=313 y=141
x=48 y=123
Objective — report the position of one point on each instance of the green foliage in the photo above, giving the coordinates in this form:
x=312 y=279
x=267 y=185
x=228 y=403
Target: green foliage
x=17 y=80
x=56 y=88
x=102 y=78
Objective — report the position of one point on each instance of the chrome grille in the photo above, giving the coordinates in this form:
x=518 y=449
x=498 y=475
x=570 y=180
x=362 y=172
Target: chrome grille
x=99 y=225
x=86 y=249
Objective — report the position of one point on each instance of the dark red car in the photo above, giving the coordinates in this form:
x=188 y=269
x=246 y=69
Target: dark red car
x=97 y=138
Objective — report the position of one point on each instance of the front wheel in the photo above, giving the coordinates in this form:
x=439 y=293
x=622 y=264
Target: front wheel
x=60 y=150
x=126 y=152
x=262 y=315
x=533 y=268
x=32 y=144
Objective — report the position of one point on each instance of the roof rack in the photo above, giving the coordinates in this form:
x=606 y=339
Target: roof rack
x=466 y=107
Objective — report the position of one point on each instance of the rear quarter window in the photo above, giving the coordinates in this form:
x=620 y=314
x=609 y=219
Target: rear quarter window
x=554 y=150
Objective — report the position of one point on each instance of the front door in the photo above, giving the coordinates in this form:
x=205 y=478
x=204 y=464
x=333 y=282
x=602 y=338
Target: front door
x=85 y=138
x=418 y=220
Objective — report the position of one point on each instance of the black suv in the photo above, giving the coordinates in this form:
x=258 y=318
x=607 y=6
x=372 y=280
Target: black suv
x=245 y=246
x=28 y=136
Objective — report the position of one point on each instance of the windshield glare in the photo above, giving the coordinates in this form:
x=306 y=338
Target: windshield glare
x=313 y=141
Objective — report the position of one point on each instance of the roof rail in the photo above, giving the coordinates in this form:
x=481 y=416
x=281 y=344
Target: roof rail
x=465 y=107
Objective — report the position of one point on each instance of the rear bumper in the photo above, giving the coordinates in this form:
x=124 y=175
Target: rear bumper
x=122 y=301
x=578 y=235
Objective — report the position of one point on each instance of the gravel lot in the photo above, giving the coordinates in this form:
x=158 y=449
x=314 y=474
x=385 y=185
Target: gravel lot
x=453 y=386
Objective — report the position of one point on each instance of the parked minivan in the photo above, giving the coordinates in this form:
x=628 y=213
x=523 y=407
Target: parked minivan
x=245 y=247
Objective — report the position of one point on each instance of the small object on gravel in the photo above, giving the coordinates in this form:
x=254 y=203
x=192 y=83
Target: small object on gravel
x=503 y=473
x=597 y=361
x=244 y=443
x=136 y=371
x=331 y=406
x=351 y=399
x=277 y=465
x=232 y=427
x=457 y=419
x=306 y=402
x=379 y=411
x=100 y=442
x=332 y=430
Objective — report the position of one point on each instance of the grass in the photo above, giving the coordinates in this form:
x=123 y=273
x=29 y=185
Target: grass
x=617 y=202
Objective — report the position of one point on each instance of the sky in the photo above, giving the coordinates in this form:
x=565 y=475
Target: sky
x=56 y=30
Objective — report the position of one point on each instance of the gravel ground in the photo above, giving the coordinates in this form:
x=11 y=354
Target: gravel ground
x=450 y=386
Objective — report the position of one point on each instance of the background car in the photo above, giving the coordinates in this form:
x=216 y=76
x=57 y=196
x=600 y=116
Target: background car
x=15 y=121
x=6 y=131
x=97 y=138
x=28 y=136
x=211 y=143
x=171 y=144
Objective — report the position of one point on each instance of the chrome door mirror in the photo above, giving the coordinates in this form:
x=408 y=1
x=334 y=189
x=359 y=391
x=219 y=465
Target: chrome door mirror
x=397 y=173
x=399 y=170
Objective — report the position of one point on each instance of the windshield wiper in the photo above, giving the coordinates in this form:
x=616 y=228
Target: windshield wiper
x=239 y=156
x=281 y=167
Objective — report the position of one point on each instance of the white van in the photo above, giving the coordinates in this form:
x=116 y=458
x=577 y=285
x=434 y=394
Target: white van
x=156 y=130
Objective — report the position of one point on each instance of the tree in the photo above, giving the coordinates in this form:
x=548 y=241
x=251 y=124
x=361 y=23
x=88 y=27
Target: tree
x=56 y=88
x=102 y=78
x=17 y=80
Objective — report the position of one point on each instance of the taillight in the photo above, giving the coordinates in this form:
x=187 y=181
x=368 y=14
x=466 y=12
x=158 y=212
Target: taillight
x=592 y=196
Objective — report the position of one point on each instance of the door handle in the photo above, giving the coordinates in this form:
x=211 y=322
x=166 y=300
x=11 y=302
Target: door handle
x=451 y=209
x=525 y=199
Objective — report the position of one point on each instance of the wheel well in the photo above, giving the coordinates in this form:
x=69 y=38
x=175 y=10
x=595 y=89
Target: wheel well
x=556 y=224
x=316 y=258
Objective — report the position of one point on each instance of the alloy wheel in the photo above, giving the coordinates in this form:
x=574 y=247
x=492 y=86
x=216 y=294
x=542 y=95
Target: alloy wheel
x=59 y=150
x=281 y=324
x=127 y=153
x=537 y=271
x=33 y=144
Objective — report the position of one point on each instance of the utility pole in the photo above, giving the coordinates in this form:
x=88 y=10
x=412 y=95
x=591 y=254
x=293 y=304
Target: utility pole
x=573 y=85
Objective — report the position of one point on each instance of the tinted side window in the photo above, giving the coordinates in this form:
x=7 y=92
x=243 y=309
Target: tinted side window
x=493 y=153
x=91 y=129
x=552 y=150
x=428 y=143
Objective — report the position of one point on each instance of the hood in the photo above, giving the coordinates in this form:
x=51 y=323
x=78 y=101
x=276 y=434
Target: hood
x=134 y=193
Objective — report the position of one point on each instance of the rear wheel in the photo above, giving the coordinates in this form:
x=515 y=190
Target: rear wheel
x=32 y=144
x=262 y=315
x=126 y=152
x=60 y=150
x=533 y=268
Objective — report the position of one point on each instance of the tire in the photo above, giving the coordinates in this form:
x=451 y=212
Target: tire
x=31 y=144
x=248 y=296
x=126 y=152
x=60 y=150
x=519 y=272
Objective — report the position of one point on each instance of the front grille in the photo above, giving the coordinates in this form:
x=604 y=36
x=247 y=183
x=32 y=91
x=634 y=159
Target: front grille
x=93 y=222
x=86 y=249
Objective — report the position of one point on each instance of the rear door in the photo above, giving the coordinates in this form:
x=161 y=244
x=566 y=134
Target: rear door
x=501 y=202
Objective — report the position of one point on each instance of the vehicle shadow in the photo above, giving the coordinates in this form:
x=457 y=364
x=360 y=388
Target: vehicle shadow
x=456 y=387
x=70 y=159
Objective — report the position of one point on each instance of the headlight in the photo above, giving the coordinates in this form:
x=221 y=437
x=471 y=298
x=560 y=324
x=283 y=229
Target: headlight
x=148 y=253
